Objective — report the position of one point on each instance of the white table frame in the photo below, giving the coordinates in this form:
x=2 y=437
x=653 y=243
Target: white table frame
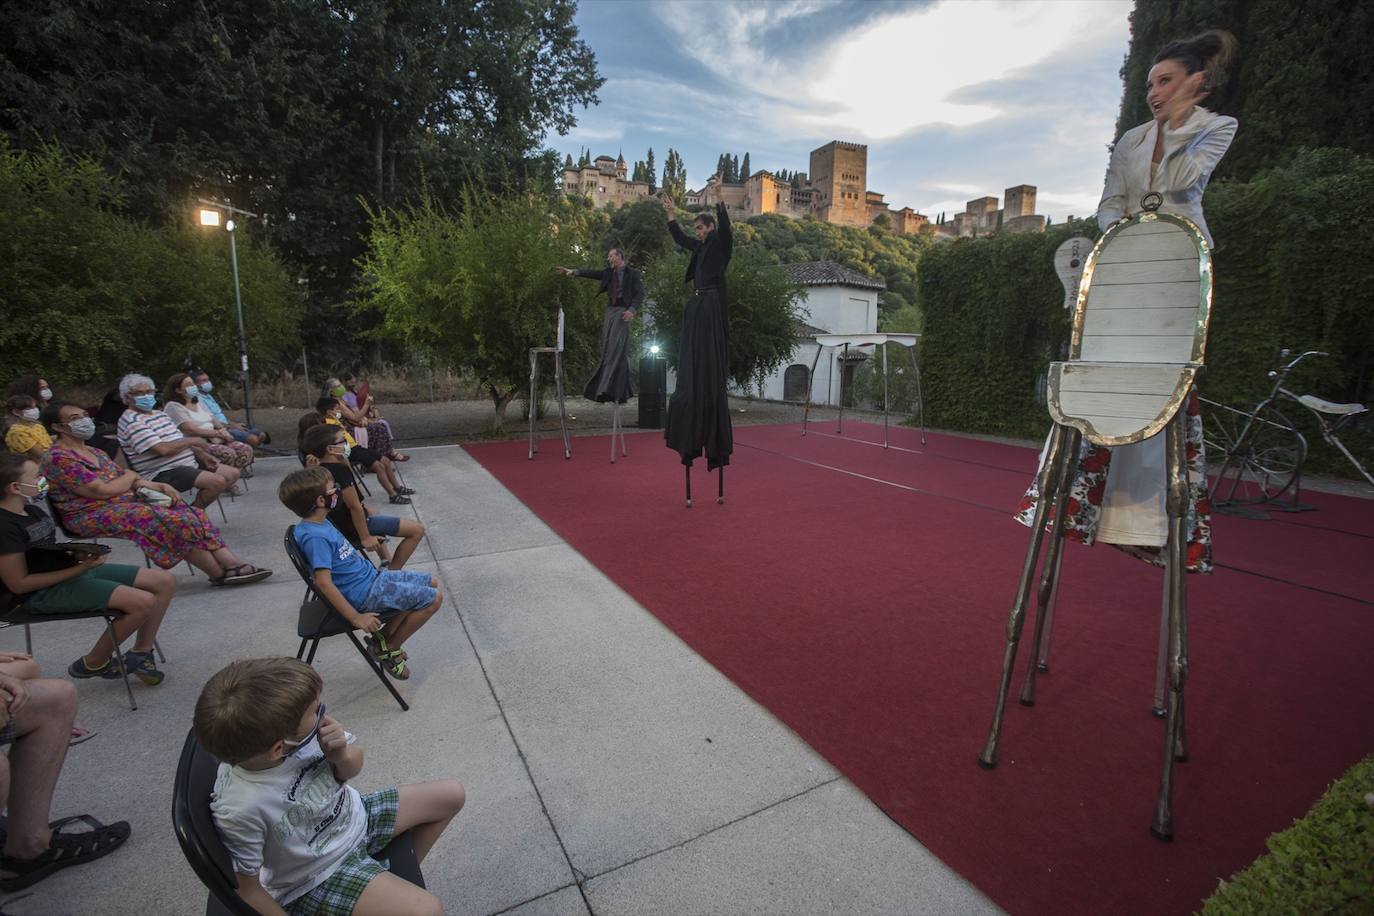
x=831 y=341
x=557 y=351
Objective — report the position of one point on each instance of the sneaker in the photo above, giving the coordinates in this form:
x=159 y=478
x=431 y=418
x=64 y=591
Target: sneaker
x=79 y=668
x=144 y=666
x=400 y=500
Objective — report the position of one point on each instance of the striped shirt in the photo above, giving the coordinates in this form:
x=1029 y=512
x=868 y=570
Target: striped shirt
x=139 y=432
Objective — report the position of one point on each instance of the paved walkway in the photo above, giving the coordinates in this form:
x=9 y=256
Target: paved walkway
x=609 y=768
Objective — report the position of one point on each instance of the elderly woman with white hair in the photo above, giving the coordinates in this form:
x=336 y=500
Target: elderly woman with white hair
x=157 y=450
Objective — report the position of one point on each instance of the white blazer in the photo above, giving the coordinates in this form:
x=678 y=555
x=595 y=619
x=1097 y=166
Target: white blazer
x=1191 y=153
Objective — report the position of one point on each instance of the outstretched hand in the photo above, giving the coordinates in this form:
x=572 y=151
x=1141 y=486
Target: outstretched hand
x=669 y=208
x=565 y=271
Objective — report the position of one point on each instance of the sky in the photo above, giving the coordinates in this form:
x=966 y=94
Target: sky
x=956 y=99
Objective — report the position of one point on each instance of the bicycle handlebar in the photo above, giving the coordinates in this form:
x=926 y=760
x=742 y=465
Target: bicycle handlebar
x=1284 y=354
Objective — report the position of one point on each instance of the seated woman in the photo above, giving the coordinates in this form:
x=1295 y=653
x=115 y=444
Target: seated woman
x=95 y=497
x=159 y=451
x=140 y=596
x=24 y=435
x=35 y=386
x=359 y=409
x=326 y=445
x=328 y=407
x=181 y=402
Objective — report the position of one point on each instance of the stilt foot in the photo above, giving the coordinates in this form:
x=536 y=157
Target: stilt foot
x=1161 y=835
x=720 y=500
x=1159 y=712
x=987 y=764
x=689 y=504
x=1025 y=702
x=1042 y=667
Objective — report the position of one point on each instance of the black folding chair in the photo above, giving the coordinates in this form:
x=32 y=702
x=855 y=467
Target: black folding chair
x=205 y=852
x=20 y=617
x=319 y=620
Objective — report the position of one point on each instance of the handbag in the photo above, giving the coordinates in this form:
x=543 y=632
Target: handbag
x=42 y=558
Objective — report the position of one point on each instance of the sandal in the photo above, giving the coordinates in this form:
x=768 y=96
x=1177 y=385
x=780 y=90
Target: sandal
x=64 y=849
x=397 y=456
x=80 y=734
x=393 y=661
x=242 y=575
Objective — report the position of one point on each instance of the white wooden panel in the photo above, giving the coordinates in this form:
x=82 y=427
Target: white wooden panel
x=1178 y=271
x=1183 y=294
x=1089 y=404
x=1127 y=378
x=1137 y=348
x=1159 y=321
x=1164 y=246
x=1153 y=227
x=1109 y=427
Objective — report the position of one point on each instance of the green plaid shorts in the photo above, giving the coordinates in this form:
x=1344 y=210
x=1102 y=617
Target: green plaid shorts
x=339 y=893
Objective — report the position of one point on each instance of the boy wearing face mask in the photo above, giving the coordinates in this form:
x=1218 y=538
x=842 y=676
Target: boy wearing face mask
x=24 y=435
x=139 y=595
x=389 y=605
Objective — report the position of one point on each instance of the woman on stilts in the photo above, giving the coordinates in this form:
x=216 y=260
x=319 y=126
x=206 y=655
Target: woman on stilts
x=698 y=412
x=1117 y=496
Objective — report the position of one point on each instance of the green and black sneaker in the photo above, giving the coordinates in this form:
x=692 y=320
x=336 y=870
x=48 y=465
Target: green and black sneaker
x=144 y=666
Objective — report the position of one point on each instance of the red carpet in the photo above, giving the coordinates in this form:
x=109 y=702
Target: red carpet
x=866 y=598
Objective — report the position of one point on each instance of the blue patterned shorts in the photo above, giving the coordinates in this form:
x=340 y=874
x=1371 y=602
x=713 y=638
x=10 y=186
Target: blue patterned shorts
x=339 y=893
x=398 y=591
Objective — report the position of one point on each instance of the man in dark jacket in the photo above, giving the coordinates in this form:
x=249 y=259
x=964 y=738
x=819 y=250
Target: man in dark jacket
x=624 y=289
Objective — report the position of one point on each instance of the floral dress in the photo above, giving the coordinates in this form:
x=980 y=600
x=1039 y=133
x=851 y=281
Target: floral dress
x=1083 y=510
x=165 y=534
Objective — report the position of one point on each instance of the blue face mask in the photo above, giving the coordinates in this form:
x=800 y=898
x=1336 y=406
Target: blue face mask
x=145 y=401
x=207 y=387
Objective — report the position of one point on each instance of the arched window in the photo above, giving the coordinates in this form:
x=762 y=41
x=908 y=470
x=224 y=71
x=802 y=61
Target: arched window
x=796 y=382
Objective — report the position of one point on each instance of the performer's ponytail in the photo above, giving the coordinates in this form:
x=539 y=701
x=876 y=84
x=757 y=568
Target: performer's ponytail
x=1212 y=51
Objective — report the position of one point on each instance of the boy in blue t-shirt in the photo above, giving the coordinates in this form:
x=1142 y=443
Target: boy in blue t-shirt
x=389 y=605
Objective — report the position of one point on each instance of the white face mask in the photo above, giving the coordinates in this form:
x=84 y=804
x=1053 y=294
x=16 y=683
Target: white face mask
x=30 y=413
x=45 y=394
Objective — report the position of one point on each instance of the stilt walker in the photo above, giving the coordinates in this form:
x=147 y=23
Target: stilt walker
x=698 y=412
x=624 y=289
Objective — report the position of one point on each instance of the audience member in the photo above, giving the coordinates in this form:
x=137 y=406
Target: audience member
x=250 y=435
x=37 y=579
x=359 y=409
x=24 y=435
x=389 y=604
x=106 y=418
x=300 y=837
x=351 y=516
x=158 y=451
x=35 y=386
x=328 y=408
x=97 y=498
x=182 y=403
x=36 y=720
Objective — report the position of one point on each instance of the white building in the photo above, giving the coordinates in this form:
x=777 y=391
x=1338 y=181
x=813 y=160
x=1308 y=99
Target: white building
x=838 y=301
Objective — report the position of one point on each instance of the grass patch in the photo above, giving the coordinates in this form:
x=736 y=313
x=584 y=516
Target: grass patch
x=1324 y=863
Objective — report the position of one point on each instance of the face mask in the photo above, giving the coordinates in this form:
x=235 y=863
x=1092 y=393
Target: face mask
x=30 y=414
x=337 y=391
x=46 y=394
x=332 y=501
x=82 y=429
x=145 y=401
x=347 y=449
x=190 y=395
x=40 y=485
x=207 y=387
x=335 y=414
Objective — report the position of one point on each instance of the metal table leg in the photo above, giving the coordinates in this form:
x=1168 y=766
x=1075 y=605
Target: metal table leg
x=810 y=381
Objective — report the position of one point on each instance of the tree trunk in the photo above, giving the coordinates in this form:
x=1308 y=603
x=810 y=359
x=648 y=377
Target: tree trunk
x=378 y=137
x=501 y=400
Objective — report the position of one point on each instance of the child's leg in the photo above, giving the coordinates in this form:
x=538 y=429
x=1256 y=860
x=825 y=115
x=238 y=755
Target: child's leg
x=388 y=894
x=411 y=532
x=425 y=809
x=162 y=585
x=401 y=627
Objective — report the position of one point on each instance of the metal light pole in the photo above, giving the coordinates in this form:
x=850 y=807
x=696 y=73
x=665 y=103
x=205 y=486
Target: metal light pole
x=209 y=216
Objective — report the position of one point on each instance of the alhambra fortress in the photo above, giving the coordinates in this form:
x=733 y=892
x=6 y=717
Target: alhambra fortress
x=834 y=190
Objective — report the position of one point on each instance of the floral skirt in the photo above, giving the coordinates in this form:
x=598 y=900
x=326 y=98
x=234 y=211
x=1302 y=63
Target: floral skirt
x=234 y=454
x=379 y=438
x=1084 y=508
x=165 y=534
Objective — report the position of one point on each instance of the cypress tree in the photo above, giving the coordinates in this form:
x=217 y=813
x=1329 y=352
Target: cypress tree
x=744 y=168
x=650 y=175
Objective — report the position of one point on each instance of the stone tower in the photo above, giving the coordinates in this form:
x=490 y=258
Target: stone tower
x=839 y=179
x=1018 y=201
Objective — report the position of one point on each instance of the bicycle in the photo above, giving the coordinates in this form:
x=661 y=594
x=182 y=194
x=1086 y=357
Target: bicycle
x=1262 y=452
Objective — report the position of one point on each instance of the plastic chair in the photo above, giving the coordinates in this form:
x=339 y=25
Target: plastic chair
x=1139 y=334
x=319 y=620
x=204 y=850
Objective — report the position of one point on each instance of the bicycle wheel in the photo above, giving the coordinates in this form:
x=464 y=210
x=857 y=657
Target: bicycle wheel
x=1261 y=454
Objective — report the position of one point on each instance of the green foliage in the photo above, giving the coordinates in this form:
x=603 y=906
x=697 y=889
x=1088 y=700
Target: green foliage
x=1285 y=93
x=674 y=176
x=637 y=229
x=901 y=381
x=1324 y=863
x=762 y=310
x=1293 y=270
x=477 y=287
x=101 y=294
x=993 y=318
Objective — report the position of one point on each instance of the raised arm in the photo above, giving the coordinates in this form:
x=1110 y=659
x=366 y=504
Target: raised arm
x=683 y=239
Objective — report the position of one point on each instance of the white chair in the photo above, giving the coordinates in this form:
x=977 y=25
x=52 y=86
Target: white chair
x=1139 y=332
x=557 y=351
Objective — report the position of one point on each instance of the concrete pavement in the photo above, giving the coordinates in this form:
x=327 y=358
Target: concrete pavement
x=609 y=768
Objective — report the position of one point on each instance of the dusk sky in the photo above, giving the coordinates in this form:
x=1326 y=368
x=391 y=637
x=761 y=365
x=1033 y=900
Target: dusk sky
x=956 y=99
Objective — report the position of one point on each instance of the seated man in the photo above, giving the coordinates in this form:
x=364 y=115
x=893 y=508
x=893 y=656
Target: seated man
x=37 y=715
x=247 y=434
x=158 y=451
x=390 y=605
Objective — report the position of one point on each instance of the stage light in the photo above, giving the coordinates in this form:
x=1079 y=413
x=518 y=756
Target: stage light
x=654 y=349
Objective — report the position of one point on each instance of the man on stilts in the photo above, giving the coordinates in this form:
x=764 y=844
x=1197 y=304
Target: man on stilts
x=698 y=412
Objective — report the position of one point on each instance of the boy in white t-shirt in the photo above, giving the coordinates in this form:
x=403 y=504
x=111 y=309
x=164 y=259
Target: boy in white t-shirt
x=301 y=839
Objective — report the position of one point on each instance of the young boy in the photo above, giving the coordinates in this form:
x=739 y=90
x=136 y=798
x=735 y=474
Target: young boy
x=327 y=446
x=301 y=839
x=390 y=605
